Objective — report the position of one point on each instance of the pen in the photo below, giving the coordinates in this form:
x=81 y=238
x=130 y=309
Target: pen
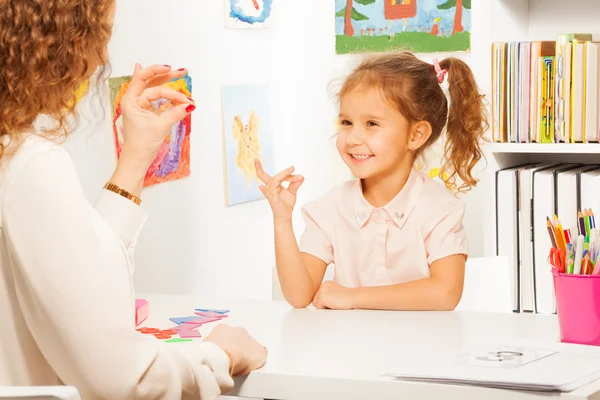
x=581 y=223
x=551 y=232
x=586 y=220
x=585 y=265
x=570 y=266
x=560 y=235
x=592 y=218
x=567 y=233
x=578 y=254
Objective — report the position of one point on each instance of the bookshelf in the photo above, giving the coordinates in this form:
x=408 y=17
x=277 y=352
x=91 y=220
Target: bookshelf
x=526 y=20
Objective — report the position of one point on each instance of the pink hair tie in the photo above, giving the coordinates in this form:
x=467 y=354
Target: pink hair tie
x=439 y=73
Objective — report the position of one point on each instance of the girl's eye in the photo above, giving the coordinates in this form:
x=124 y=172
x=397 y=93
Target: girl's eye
x=372 y=123
x=345 y=122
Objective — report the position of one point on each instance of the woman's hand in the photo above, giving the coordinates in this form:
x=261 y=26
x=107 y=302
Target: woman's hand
x=246 y=353
x=144 y=130
x=281 y=199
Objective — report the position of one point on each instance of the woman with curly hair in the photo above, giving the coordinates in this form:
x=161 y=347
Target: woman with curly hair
x=66 y=294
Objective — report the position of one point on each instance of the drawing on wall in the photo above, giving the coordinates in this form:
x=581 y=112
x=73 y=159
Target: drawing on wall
x=419 y=26
x=173 y=159
x=248 y=13
x=431 y=163
x=248 y=136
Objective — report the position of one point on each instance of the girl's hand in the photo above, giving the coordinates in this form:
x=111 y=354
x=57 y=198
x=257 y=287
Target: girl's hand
x=333 y=296
x=143 y=129
x=281 y=199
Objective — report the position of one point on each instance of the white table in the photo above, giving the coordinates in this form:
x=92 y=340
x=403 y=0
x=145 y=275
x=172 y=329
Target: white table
x=324 y=354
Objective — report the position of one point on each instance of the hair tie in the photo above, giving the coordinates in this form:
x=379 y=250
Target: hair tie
x=439 y=73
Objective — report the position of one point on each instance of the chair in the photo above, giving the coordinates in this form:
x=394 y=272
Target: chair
x=487 y=286
x=276 y=287
x=39 y=393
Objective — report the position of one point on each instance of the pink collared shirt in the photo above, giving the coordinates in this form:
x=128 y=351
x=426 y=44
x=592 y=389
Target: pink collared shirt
x=388 y=245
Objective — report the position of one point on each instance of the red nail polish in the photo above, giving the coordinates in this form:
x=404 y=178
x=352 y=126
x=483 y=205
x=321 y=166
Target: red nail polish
x=181 y=69
x=166 y=65
x=190 y=108
x=190 y=99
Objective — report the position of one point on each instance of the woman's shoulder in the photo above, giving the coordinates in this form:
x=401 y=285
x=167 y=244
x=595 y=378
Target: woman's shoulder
x=20 y=152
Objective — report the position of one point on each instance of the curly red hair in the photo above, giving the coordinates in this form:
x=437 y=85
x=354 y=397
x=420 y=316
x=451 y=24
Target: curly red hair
x=412 y=86
x=47 y=48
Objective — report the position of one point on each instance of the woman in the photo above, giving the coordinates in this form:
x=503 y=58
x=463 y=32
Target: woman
x=66 y=295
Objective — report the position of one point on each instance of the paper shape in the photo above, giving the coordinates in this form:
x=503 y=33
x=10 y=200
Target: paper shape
x=211 y=310
x=420 y=26
x=142 y=311
x=210 y=314
x=203 y=320
x=181 y=320
x=173 y=159
x=177 y=340
x=190 y=333
x=248 y=13
x=248 y=136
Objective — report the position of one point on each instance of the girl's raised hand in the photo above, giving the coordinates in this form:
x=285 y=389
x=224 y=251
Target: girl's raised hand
x=282 y=199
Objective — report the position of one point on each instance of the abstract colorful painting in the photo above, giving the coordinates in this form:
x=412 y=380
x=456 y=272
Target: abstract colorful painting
x=419 y=26
x=248 y=13
x=248 y=136
x=173 y=159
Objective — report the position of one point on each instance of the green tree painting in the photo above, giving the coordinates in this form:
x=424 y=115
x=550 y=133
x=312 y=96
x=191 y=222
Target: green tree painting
x=420 y=26
x=349 y=13
x=458 y=4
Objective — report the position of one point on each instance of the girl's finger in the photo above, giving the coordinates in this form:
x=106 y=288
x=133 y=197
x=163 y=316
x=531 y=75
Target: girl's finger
x=293 y=178
x=161 y=92
x=261 y=174
x=162 y=79
x=278 y=179
x=294 y=186
x=142 y=76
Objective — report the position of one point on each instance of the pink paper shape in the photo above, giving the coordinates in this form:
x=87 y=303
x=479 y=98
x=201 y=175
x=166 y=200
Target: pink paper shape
x=191 y=333
x=210 y=314
x=142 y=311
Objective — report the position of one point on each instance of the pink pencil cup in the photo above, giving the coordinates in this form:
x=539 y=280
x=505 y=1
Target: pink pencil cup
x=578 y=307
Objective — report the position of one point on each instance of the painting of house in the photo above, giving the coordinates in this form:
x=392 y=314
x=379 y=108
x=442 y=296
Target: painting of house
x=420 y=26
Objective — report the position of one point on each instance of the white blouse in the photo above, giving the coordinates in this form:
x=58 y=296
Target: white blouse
x=66 y=291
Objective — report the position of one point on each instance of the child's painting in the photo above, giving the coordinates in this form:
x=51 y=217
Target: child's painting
x=173 y=159
x=419 y=26
x=248 y=136
x=248 y=13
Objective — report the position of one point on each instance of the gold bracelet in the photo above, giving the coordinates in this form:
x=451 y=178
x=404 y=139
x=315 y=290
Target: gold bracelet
x=122 y=192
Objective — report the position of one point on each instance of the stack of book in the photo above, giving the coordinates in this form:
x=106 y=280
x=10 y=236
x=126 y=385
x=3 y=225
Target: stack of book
x=546 y=91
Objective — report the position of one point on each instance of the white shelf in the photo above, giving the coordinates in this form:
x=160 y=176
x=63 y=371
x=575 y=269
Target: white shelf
x=544 y=148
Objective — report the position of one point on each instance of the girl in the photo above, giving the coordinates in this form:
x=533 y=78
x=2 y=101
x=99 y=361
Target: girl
x=66 y=295
x=395 y=236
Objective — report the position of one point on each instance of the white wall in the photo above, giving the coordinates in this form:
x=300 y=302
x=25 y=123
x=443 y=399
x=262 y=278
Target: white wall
x=192 y=242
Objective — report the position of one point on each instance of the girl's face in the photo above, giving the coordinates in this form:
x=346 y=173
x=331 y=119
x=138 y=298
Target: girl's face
x=374 y=137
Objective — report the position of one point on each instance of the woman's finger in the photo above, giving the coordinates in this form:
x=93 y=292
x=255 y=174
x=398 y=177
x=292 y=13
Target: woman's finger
x=142 y=76
x=261 y=174
x=293 y=178
x=176 y=114
x=161 y=92
x=162 y=79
